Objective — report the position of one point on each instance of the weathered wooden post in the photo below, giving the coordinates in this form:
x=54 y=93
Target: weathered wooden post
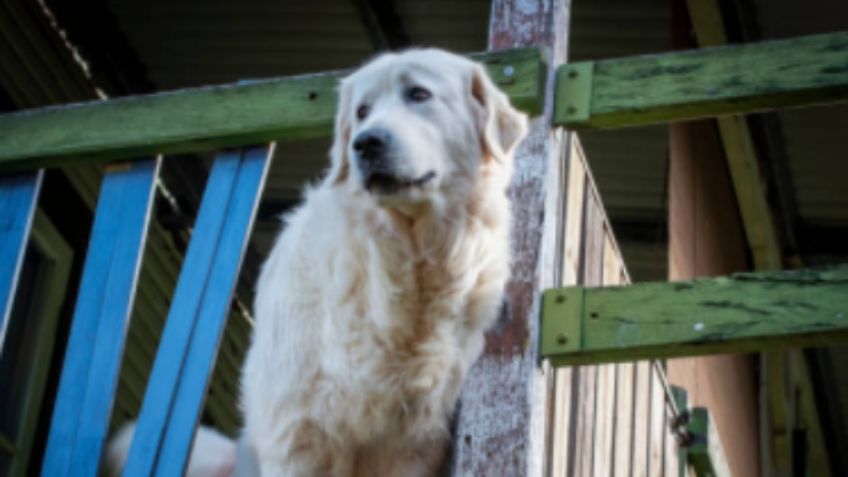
x=501 y=424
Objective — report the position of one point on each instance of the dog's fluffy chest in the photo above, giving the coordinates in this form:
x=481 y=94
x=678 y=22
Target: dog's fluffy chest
x=378 y=339
x=406 y=346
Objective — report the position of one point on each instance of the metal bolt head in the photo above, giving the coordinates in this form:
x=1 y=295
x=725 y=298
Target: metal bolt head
x=562 y=339
x=571 y=110
x=572 y=74
x=560 y=299
x=508 y=71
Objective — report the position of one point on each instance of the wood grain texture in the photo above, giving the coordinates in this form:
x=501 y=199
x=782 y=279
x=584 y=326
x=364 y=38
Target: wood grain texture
x=189 y=344
x=18 y=201
x=107 y=291
x=713 y=81
x=213 y=117
x=742 y=312
x=706 y=238
x=503 y=421
x=566 y=381
x=641 y=419
x=657 y=423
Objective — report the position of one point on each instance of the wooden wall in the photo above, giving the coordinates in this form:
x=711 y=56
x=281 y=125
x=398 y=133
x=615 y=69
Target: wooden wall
x=706 y=239
x=607 y=420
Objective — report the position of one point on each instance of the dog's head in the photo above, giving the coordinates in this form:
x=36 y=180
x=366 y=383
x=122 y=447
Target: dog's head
x=414 y=123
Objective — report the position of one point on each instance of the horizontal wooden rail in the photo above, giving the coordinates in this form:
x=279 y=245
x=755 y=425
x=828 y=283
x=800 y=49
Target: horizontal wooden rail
x=691 y=84
x=213 y=117
x=742 y=312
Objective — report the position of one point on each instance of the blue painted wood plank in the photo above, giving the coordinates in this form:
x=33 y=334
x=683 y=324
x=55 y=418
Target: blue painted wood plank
x=198 y=314
x=107 y=290
x=18 y=201
x=213 y=314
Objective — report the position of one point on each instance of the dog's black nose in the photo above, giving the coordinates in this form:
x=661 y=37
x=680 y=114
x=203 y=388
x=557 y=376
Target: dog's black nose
x=371 y=144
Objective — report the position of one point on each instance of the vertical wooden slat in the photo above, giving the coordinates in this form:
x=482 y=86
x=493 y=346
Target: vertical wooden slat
x=604 y=421
x=625 y=401
x=622 y=406
x=107 y=290
x=565 y=396
x=18 y=200
x=641 y=416
x=189 y=343
x=607 y=374
x=592 y=268
x=657 y=426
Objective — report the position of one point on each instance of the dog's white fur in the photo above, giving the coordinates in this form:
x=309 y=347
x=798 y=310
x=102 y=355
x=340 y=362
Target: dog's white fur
x=372 y=305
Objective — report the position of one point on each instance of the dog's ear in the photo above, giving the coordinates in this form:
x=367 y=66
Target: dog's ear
x=339 y=162
x=501 y=126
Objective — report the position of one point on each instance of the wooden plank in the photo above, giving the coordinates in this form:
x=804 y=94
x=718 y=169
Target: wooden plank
x=501 y=427
x=18 y=200
x=624 y=378
x=742 y=312
x=566 y=397
x=212 y=117
x=706 y=82
x=592 y=265
x=625 y=401
x=605 y=415
x=641 y=419
x=107 y=290
x=657 y=423
x=606 y=412
x=198 y=313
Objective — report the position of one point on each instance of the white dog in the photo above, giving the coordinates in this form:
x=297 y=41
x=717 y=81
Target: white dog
x=373 y=303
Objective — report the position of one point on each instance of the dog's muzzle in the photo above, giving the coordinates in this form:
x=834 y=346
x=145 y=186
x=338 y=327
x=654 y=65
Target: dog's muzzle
x=373 y=150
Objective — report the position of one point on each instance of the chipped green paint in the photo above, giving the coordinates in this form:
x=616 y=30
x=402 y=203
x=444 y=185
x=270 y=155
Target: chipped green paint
x=707 y=82
x=741 y=312
x=201 y=119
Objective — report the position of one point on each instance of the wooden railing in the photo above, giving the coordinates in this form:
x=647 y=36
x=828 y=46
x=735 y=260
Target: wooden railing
x=131 y=134
x=613 y=93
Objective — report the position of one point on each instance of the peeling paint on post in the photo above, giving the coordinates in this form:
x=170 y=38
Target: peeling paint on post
x=501 y=425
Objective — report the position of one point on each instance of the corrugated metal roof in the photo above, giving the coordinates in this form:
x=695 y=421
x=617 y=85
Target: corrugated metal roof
x=195 y=42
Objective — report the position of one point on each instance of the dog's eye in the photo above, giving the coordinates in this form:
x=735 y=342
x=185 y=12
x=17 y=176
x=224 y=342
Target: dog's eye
x=418 y=94
x=362 y=111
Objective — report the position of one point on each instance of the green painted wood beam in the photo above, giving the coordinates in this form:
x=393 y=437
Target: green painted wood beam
x=707 y=82
x=738 y=313
x=214 y=117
